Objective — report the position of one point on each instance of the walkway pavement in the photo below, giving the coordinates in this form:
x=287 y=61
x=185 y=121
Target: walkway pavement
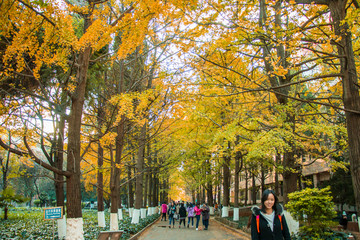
x=161 y=231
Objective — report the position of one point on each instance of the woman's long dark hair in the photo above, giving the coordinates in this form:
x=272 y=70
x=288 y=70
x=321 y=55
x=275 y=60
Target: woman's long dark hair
x=265 y=196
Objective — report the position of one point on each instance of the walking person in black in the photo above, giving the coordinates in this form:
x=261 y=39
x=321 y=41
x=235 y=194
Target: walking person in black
x=182 y=213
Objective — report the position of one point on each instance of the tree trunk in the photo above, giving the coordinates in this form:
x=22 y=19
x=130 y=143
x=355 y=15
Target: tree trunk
x=139 y=173
x=253 y=187
x=209 y=187
x=59 y=161
x=262 y=172
x=130 y=189
x=155 y=190
x=236 y=180
x=203 y=194
x=351 y=96
x=146 y=187
x=246 y=187
x=5 y=170
x=151 y=189
x=198 y=195
x=59 y=179
x=100 y=177
x=219 y=194
x=289 y=159
x=115 y=169
x=277 y=162
x=74 y=229
x=226 y=181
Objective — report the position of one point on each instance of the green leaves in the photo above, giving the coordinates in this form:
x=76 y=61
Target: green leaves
x=314 y=208
x=7 y=196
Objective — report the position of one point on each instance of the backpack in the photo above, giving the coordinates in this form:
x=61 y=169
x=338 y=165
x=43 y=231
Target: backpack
x=258 y=222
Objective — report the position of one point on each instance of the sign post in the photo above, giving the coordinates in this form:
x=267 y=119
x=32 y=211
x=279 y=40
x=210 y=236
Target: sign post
x=53 y=213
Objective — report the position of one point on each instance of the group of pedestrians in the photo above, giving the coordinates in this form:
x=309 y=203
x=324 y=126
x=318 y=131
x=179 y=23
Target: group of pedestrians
x=180 y=211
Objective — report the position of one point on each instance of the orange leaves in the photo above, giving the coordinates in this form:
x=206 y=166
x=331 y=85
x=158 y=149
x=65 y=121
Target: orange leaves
x=33 y=35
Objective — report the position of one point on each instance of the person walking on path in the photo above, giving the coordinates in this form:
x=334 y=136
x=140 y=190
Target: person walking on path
x=268 y=222
x=190 y=210
x=205 y=212
x=343 y=220
x=197 y=210
x=164 y=208
x=182 y=214
x=171 y=212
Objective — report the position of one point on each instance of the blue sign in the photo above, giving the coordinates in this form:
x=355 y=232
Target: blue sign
x=53 y=213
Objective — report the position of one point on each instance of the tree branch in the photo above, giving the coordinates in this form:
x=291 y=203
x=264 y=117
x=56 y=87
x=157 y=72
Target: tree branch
x=122 y=15
x=34 y=158
x=38 y=13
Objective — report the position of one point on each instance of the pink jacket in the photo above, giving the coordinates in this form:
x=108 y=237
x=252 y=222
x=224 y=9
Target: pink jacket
x=163 y=208
x=197 y=210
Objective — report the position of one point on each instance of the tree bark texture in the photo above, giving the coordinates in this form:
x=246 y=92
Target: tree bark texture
x=236 y=181
x=226 y=181
x=140 y=168
x=100 y=179
x=209 y=186
x=350 y=85
x=73 y=186
x=59 y=161
x=115 y=169
x=130 y=189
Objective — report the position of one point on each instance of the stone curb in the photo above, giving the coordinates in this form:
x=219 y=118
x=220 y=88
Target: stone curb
x=245 y=235
x=137 y=235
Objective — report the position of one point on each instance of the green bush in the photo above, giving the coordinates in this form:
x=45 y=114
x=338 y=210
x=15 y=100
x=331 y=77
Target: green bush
x=314 y=209
x=36 y=202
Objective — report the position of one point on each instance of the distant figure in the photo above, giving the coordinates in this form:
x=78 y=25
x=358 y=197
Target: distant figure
x=205 y=212
x=353 y=217
x=177 y=205
x=191 y=214
x=343 y=220
x=164 y=208
x=197 y=210
x=182 y=214
x=171 y=212
x=268 y=222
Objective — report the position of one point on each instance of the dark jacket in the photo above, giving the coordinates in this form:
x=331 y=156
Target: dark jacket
x=171 y=210
x=265 y=230
x=205 y=213
x=182 y=212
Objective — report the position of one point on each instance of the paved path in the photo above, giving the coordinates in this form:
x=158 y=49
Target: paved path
x=161 y=231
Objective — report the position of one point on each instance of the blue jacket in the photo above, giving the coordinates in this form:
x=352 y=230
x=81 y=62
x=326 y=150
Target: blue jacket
x=265 y=230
